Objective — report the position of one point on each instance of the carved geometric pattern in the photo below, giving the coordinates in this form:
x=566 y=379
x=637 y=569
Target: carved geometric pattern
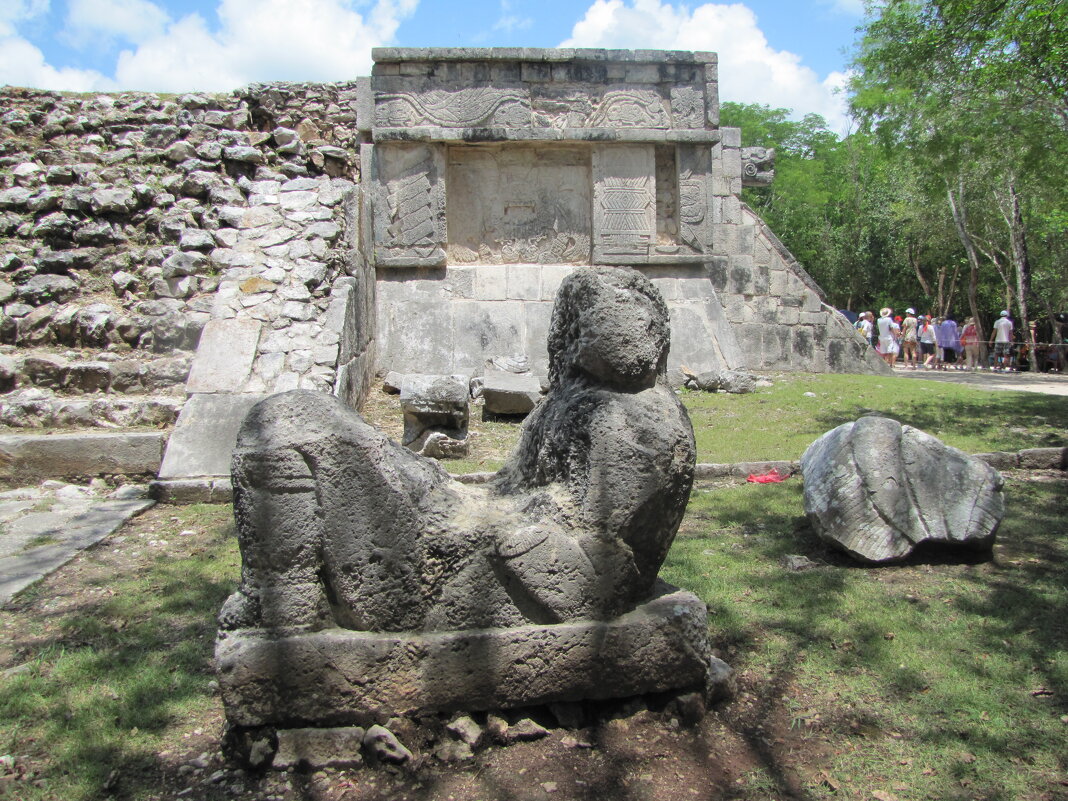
x=411 y=211
x=625 y=201
x=625 y=205
x=468 y=107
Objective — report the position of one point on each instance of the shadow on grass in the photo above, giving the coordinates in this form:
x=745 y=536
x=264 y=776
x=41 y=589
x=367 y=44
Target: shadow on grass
x=967 y=417
x=108 y=673
x=966 y=652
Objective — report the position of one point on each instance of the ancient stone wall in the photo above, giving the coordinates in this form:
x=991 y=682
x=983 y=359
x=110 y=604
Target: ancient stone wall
x=130 y=221
x=497 y=172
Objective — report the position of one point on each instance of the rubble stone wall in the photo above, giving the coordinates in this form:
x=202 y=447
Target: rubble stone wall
x=128 y=221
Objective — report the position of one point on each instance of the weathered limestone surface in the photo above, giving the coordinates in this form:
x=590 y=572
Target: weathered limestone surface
x=343 y=533
x=204 y=437
x=224 y=357
x=338 y=677
x=81 y=454
x=876 y=489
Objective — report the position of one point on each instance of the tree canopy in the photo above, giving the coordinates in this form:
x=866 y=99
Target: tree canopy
x=949 y=196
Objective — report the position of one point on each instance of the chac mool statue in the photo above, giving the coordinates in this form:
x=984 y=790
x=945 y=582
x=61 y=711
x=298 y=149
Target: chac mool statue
x=341 y=527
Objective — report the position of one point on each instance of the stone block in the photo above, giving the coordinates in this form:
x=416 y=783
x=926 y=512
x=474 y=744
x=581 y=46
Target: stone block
x=876 y=489
x=434 y=403
x=224 y=356
x=339 y=677
x=204 y=436
x=523 y=281
x=1000 y=460
x=81 y=454
x=1044 y=459
x=319 y=748
x=490 y=282
x=510 y=393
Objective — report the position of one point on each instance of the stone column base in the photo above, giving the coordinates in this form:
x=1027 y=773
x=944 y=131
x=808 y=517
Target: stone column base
x=338 y=677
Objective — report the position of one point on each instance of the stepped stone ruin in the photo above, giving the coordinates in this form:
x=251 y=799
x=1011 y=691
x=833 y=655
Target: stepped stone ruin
x=373 y=585
x=172 y=262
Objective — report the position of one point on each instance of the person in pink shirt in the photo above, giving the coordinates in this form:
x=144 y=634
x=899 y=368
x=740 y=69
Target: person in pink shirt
x=969 y=340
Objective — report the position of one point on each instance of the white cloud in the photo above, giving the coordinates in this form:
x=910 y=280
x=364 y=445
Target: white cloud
x=17 y=10
x=96 y=21
x=257 y=40
x=23 y=64
x=750 y=70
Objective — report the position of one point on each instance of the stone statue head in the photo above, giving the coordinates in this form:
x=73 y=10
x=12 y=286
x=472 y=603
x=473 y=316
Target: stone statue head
x=611 y=325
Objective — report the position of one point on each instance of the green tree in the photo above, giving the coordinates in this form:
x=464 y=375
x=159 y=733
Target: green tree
x=975 y=92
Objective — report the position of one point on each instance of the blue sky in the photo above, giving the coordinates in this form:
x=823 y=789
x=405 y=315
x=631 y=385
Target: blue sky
x=786 y=53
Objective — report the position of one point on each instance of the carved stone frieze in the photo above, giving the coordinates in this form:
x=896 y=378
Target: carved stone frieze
x=630 y=108
x=758 y=166
x=460 y=107
x=409 y=205
x=568 y=106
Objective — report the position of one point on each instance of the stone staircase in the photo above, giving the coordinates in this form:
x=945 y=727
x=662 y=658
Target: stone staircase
x=164 y=263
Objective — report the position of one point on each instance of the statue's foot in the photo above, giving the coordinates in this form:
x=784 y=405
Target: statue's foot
x=239 y=612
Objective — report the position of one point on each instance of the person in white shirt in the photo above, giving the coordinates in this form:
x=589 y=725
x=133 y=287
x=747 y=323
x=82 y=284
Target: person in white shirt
x=1001 y=339
x=888 y=329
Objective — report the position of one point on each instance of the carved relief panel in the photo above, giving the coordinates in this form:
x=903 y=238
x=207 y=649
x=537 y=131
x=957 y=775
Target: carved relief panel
x=409 y=205
x=519 y=204
x=695 y=186
x=624 y=203
x=464 y=107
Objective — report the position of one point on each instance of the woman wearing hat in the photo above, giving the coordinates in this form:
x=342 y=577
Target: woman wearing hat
x=888 y=331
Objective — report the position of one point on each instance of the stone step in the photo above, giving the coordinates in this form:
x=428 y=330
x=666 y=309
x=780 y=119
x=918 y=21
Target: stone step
x=158 y=324
x=34 y=407
x=81 y=454
x=73 y=373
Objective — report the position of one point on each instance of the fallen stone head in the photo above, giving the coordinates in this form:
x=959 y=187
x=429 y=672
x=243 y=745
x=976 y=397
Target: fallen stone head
x=876 y=489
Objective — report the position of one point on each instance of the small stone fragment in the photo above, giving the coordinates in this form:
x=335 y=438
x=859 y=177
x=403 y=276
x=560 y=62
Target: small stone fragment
x=383 y=746
x=466 y=729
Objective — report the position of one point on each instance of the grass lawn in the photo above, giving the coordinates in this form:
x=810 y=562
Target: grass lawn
x=780 y=421
x=941 y=678
x=938 y=679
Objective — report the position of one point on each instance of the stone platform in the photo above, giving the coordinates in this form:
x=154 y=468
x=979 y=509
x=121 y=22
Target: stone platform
x=339 y=677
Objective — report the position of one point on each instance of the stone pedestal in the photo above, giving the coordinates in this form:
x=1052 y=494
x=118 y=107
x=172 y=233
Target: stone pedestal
x=338 y=677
